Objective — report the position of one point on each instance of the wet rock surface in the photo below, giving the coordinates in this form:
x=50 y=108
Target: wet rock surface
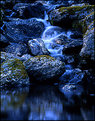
x=23 y=30
x=44 y=67
x=37 y=47
x=74 y=76
x=18 y=49
x=7 y=56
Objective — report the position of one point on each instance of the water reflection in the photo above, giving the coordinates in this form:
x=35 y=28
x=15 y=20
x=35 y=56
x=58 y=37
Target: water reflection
x=13 y=104
x=41 y=103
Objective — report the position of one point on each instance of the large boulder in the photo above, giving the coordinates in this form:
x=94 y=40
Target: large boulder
x=17 y=49
x=44 y=67
x=67 y=16
x=37 y=47
x=20 y=30
x=13 y=73
x=27 y=10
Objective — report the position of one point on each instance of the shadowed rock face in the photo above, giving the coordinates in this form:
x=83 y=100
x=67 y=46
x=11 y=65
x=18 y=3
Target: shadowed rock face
x=44 y=67
x=65 y=16
x=23 y=30
x=28 y=10
x=18 y=49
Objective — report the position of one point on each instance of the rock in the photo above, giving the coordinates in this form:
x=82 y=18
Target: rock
x=76 y=35
x=73 y=76
x=86 y=21
x=81 y=17
x=71 y=90
x=22 y=30
x=69 y=59
x=87 y=52
x=25 y=57
x=18 y=49
x=7 y=56
x=3 y=41
x=44 y=68
x=69 y=16
x=62 y=40
x=13 y=73
x=27 y=10
x=37 y=47
x=73 y=47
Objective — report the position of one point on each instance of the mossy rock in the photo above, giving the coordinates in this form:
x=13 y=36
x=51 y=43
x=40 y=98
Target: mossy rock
x=85 y=22
x=70 y=16
x=13 y=73
x=73 y=9
x=43 y=68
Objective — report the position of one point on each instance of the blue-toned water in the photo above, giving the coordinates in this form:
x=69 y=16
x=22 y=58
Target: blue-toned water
x=44 y=102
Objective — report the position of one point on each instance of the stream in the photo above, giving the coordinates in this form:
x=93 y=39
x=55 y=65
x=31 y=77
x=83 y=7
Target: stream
x=46 y=102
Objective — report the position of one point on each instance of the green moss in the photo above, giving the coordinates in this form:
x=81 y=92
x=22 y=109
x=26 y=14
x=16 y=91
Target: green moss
x=72 y=9
x=91 y=24
x=39 y=58
x=16 y=67
x=46 y=56
x=88 y=31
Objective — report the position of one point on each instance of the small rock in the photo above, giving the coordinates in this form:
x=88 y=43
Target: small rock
x=37 y=47
x=73 y=76
x=70 y=90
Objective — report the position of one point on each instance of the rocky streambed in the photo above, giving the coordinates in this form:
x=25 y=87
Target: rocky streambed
x=47 y=60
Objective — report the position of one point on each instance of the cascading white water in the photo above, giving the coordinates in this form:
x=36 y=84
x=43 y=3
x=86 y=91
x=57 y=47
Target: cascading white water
x=55 y=32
